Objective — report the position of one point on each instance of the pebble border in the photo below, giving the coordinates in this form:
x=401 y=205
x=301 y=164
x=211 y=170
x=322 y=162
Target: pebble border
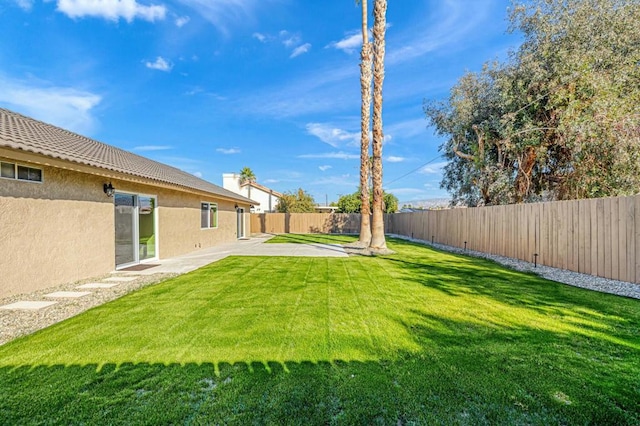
x=16 y=323
x=576 y=279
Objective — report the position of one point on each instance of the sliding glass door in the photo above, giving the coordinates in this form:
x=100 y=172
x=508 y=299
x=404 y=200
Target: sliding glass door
x=135 y=233
x=147 y=227
x=125 y=219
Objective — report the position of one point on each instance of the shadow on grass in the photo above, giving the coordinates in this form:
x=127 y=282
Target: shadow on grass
x=492 y=346
x=452 y=386
x=459 y=275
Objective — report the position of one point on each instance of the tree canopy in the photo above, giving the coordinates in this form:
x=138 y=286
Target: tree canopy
x=296 y=202
x=352 y=203
x=560 y=119
x=247 y=175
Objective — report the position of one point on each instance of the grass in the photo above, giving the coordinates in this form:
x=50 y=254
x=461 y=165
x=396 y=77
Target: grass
x=418 y=337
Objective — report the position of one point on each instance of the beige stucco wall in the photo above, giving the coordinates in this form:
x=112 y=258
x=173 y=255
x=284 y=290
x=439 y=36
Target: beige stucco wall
x=62 y=230
x=53 y=232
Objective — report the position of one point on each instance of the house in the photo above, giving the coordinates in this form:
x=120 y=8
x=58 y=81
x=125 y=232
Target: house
x=268 y=198
x=73 y=208
x=325 y=209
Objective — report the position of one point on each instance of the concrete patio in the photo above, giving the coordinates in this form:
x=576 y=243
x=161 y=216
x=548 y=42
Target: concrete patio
x=253 y=246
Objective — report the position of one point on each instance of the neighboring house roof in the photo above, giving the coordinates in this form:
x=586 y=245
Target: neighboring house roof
x=27 y=134
x=326 y=209
x=263 y=188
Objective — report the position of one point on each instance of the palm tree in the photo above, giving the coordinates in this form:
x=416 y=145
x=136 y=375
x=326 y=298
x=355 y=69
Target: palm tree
x=366 y=76
x=378 y=241
x=247 y=176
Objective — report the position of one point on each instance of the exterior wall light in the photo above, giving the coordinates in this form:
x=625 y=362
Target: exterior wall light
x=108 y=189
x=236 y=206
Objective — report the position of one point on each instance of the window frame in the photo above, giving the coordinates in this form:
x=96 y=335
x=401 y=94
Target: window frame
x=16 y=173
x=212 y=215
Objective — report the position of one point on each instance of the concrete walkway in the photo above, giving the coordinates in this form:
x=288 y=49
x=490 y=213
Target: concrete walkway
x=253 y=246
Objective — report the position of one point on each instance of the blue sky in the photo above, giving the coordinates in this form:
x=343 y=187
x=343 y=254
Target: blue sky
x=211 y=86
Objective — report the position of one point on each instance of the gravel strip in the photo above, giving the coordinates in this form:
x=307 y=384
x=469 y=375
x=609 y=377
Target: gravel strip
x=16 y=323
x=576 y=279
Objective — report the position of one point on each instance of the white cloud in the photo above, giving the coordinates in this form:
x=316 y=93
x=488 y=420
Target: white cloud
x=335 y=155
x=226 y=13
x=348 y=44
x=433 y=169
x=198 y=174
x=111 y=10
x=451 y=21
x=407 y=129
x=182 y=21
x=343 y=181
x=332 y=135
x=260 y=37
x=228 y=151
x=289 y=40
x=270 y=181
x=300 y=50
x=325 y=168
x=152 y=148
x=25 y=4
x=160 y=64
x=67 y=107
x=393 y=159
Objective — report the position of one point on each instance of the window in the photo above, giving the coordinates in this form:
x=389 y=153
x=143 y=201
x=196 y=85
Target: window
x=208 y=215
x=14 y=171
x=8 y=170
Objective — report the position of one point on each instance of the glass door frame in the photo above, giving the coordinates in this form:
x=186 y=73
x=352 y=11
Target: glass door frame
x=136 y=229
x=241 y=228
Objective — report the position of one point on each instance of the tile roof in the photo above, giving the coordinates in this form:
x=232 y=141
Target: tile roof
x=27 y=134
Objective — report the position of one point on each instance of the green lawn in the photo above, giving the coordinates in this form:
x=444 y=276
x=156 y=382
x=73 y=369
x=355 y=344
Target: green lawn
x=418 y=337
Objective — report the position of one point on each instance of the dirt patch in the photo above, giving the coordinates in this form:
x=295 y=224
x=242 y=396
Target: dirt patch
x=365 y=251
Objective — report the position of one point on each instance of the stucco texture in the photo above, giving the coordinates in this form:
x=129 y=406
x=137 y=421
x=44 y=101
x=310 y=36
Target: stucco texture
x=62 y=230
x=53 y=232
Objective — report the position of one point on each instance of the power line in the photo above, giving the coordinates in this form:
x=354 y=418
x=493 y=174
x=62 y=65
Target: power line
x=415 y=170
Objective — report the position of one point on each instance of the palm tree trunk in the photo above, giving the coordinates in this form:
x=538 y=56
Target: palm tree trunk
x=378 y=241
x=366 y=76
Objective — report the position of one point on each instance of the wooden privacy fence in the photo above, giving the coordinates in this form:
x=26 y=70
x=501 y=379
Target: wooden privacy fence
x=599 y=237
x=305 y=223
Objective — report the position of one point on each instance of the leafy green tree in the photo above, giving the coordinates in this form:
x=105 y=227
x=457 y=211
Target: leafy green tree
x=390 y=203
x=296 y=202
x=247 y=175
x=352 y=203
x=560 y=119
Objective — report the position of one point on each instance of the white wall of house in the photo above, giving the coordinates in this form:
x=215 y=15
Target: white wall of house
x=267 y=198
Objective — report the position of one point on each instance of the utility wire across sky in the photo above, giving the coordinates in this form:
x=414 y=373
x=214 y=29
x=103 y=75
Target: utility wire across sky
x=414 y=170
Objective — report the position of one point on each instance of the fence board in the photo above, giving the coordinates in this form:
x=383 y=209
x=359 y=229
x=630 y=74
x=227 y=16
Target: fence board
x=583 y=237
x=613 y=237
x=599 y=237
x=622 y=239
x=631 y=240
x=637 y=236
x=574 y=243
